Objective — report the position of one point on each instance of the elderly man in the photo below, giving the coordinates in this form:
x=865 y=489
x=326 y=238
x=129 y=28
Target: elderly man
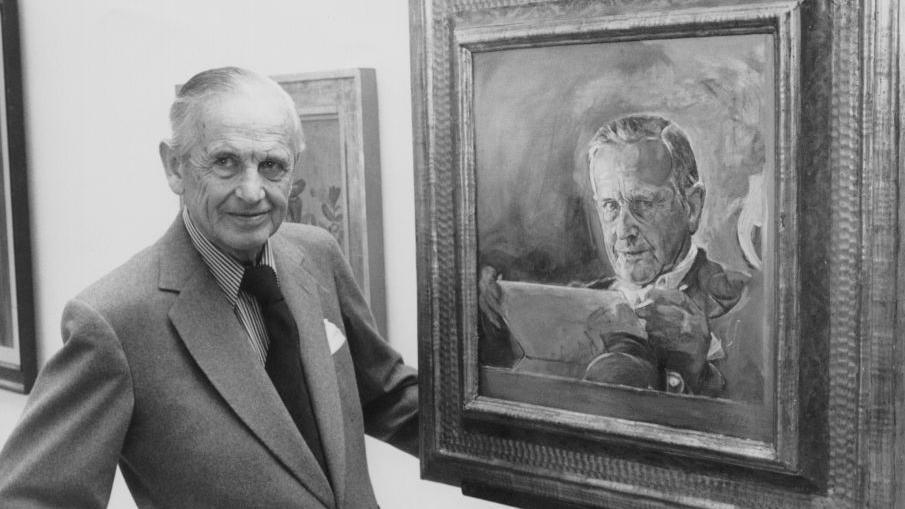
x=648 y=199
x=234 y=363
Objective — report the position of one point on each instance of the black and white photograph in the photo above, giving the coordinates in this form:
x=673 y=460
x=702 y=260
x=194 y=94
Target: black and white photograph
x=452 y=254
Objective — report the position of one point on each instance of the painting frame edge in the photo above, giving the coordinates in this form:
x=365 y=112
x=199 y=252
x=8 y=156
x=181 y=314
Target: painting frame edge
x=18 y=378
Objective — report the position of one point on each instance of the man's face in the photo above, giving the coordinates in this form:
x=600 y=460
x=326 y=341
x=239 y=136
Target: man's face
x=235 y=179
x=646 y=229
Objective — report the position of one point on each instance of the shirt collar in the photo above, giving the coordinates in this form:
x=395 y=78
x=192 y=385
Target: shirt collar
x=227 y=271
x=669 y=280
x=673 y=278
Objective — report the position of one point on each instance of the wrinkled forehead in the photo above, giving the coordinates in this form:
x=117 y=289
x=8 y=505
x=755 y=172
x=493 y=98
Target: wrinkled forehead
x=238 y=108
x=646 y=162
x=253 y=109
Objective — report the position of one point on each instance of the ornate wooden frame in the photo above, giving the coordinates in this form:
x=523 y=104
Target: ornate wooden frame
x=838 y=390
x=18 y=363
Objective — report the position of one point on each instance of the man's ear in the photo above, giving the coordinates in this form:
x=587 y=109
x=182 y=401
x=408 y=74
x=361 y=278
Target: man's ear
x=173 y=167
x=694 y=197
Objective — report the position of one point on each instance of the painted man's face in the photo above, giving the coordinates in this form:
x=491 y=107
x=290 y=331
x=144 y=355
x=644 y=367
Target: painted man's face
x=235 y=179
x=646 y=227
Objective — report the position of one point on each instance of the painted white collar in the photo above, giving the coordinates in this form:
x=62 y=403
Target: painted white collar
x=636 y=295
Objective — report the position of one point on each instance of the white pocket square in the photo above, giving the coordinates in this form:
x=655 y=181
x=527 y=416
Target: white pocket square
x=335 y=337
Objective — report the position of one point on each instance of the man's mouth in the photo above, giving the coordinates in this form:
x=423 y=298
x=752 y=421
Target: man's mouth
x=632 y=255
x=250 y=214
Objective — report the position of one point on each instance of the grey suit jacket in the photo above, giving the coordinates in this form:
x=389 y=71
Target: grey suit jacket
x=157 y=374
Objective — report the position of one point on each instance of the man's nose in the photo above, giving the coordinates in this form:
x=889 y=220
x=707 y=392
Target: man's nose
x=626 y=224
x=251 y=187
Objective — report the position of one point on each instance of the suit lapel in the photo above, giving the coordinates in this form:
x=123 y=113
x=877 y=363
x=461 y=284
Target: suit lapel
x=216 y=340
x=300 y=289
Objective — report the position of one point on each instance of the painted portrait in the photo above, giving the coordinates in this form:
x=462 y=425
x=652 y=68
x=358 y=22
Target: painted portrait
x=625 y=212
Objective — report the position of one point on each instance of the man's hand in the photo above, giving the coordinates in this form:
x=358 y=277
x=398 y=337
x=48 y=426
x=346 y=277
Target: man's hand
x=678 y=329
x=490 y=296
x=497 y=347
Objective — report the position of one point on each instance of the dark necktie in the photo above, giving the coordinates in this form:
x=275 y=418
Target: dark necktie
x=284 y=364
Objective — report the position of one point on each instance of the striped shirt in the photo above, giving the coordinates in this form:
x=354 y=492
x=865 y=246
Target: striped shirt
x=228 y=274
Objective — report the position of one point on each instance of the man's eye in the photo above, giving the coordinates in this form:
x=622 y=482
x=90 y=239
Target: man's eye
x=224 y=161
x=272 y=169
x=224 y=166
x=609 y=205
x=610 y=208
x=643 y=207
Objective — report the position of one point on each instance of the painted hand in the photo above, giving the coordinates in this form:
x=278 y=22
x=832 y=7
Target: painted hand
x=490 y=296
x=679 y=331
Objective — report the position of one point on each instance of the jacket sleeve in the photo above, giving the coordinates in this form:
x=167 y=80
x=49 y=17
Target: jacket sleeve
x=387 y=387
x=64 y=450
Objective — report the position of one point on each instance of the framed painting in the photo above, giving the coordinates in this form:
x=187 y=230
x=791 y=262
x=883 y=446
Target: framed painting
x=337 y=186
x=630 y=214
x=18 y=363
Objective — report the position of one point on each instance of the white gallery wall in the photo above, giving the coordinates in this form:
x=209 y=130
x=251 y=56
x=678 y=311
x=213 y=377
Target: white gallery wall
x=98 y=79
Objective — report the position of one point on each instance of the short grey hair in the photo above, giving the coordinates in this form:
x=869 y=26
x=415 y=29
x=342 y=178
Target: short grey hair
x=635 y=128
x=213 y=82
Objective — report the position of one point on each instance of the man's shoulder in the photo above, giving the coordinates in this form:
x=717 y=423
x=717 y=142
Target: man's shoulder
x=717 y=277
x=132 y=281
x=724 y=286
x=305 y=234
x=313 y=241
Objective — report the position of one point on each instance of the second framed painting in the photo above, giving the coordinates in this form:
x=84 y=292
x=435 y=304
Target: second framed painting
x=337 y=185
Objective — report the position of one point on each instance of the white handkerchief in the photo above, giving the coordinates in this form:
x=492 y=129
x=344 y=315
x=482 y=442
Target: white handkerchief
x=335 y=337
